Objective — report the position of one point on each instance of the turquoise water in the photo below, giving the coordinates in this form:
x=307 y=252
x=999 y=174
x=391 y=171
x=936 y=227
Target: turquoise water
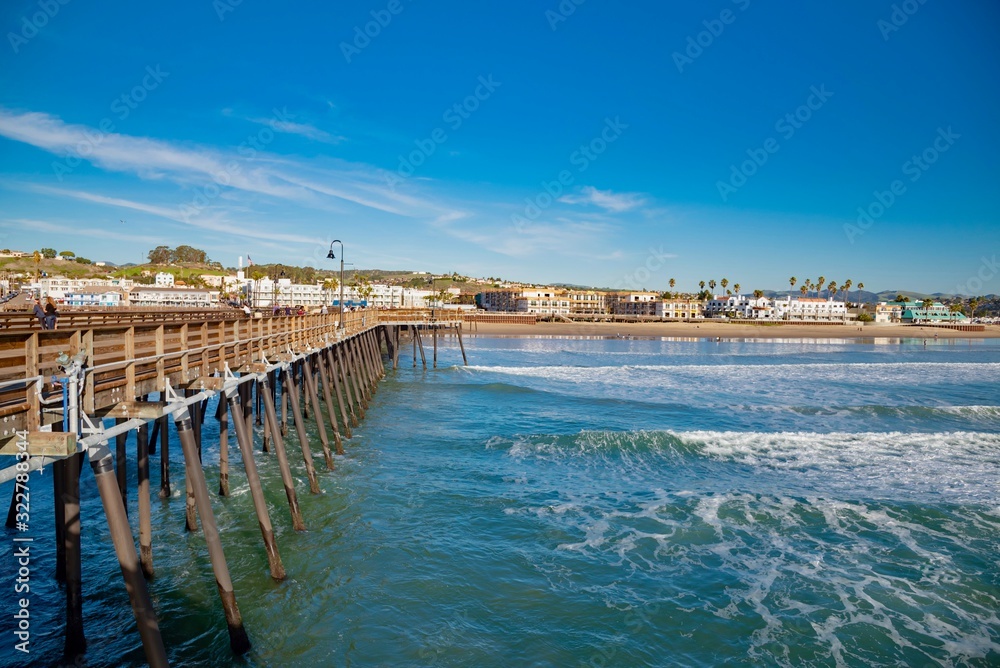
x=566 y=502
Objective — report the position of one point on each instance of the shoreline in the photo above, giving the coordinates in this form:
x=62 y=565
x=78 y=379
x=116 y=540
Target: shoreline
x=722 y=330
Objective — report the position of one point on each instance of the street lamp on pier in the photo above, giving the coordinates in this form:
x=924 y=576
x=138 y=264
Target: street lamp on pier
x=331 y=256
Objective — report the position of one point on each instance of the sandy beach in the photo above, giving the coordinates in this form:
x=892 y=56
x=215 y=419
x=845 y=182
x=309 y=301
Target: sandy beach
x=727 y=331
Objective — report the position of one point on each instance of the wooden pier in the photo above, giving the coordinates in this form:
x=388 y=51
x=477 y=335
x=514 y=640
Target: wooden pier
x=67 y=394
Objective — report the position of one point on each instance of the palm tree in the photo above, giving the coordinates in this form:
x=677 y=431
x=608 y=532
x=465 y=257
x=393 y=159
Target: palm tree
x=711 y=286
x=330 y=285
x=973 y=304
x=804 y=289
x=791 y=284
x=846 y=287
x=900 y=298
x=861 y=286
x=819 y=285
x=724 y=282
x=832 y=289
x=36 y=257
x=928 y=303
x=672 y=283
x=255 y=277
x=757 y=294
x=701 y=284
x=736 y=288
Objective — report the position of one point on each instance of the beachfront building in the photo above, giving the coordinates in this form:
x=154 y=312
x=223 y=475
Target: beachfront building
x=916 y=313
x=810 y=309
x=545 y=301
x=680 y=309
x=94 y=297
x=632 y=303
x=151 y=295
x=739 y=306
x=888 y=312
x=587 y=302
x=58 y=287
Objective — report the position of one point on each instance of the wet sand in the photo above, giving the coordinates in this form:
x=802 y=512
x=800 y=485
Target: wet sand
x=726 y=330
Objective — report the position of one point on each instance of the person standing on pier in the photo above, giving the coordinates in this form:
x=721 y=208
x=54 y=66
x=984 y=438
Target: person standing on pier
x=50 y=313
x=39 y=313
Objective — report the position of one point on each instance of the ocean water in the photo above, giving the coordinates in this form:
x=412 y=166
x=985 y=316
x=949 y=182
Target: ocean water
x=575 y=502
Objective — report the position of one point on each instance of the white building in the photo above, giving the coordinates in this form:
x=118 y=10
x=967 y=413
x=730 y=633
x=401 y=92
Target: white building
x=163 y=280
x=739 y=306
x=94 y=297
x=57 y=287
x=809 y=308
x=150 y=295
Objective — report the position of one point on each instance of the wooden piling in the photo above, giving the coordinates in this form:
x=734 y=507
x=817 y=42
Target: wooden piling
x=76 y=642
x=352 y=400
x=420 y=344
x=164 y=457
x=145 y=506
x=135 y=584
x=286 y=471
x=60 y=517
x=300 y=429
x=328 y=398
x=121 y=472
x=238 y=640
x=190 y=512
x=257 y=494
x=353 y=370
x=413 y=339
x=338 y=391
x=434 y=331
x=465 y=360
x=309 y=380
x=222 y=415
x=284 y=408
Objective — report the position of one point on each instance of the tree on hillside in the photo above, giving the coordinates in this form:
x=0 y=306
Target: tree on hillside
x=159 y=255
x=189 y=254
x=48 y=253
x=67 y=253
x=83 y=260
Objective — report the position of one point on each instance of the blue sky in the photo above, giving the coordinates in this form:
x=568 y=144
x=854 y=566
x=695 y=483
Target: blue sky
x=593 y=143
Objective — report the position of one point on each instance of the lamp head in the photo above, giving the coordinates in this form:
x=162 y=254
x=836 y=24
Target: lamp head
x=330 y=255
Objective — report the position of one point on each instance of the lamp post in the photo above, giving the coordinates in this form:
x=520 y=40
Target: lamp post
x=331 y=256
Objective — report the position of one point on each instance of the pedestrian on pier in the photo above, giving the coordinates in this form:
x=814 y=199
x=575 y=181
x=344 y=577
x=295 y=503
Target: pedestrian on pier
x=39 y=313
x=50 y=313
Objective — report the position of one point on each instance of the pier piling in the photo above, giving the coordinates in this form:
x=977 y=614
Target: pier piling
x=286 y=471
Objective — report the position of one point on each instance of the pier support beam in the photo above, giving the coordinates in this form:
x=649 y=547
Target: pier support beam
x=286 y=471
x=465 y=360
x=222 y=415
x=310 y=383
x=164 y=457
x=121 y=472
x=328 y=399
x=259 y=503
x=76 y=642
x=420 y=344
x=238 y=640
x=135 y=584
x=342 y=366
x=300 y=429
x=339 y=392
x=145 y=505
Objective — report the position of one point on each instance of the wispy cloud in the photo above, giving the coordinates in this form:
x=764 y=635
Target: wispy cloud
x=301 y=129
x=72 y=230
x=607 y=200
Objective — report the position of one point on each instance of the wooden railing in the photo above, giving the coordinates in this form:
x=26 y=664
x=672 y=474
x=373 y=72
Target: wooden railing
x=128 y=359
